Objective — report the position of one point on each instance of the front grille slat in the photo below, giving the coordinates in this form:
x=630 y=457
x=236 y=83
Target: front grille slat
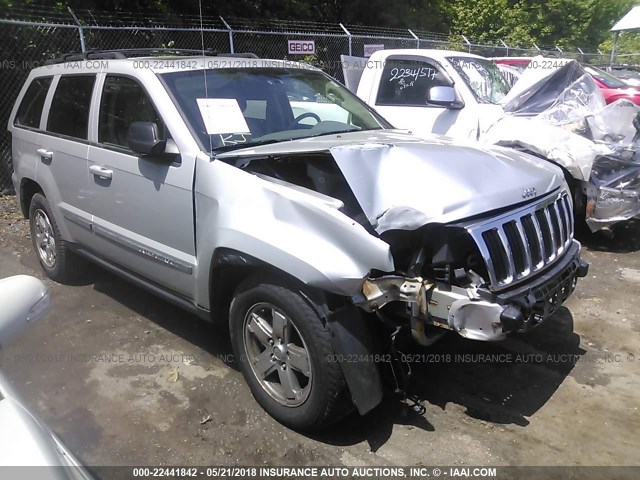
x=498 y=255
x=542 y=220
x=554 y=216
x=510 y=255
x=528 y=265
x=561 y=222
x=516 y=242
x=534 y=239
x=526 y=241
x=552 y=232
x=568 y=217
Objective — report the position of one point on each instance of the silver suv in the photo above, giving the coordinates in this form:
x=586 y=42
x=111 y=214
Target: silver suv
x=265 y=194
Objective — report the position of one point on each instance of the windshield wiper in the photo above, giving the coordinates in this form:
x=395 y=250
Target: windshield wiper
x=239 y=146
x=338 y=132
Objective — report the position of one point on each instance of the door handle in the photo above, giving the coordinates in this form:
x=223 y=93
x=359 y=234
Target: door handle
x=101 y=171
x=45 y=154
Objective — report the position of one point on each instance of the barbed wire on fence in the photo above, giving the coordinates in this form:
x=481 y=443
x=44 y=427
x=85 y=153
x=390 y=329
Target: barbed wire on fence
x=31 y=34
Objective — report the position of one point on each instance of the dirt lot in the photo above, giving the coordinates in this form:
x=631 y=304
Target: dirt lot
x=126 y=379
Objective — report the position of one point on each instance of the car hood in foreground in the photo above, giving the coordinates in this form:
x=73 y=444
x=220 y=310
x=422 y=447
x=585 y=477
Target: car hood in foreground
x=403 y=182
x=27 y=442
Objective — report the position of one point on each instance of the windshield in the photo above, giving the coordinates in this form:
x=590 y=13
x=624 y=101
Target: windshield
x=249 y=106
x=483 y=77
x=605 y=78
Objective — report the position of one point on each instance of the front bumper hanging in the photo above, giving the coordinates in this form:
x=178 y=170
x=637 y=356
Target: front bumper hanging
x=477 y=312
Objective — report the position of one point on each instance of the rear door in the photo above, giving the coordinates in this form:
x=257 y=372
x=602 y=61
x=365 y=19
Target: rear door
x=62 y=165
x=142 y=205
x=26 y=128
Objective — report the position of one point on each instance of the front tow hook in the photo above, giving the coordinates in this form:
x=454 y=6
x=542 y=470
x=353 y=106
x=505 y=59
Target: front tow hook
x=583 y=268
x=511 y=319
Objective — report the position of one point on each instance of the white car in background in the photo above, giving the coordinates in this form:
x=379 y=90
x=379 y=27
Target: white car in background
x=553 y=109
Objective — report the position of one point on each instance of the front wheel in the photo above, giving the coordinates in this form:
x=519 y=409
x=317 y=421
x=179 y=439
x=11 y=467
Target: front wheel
x=284 y=352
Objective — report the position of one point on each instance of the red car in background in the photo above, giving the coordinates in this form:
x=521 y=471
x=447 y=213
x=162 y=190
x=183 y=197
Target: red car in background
x=612 y=87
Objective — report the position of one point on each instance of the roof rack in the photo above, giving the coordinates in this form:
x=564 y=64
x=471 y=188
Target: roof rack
x=129 y=52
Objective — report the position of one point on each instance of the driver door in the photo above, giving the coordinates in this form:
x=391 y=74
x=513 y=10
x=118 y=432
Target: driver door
x=142 y=205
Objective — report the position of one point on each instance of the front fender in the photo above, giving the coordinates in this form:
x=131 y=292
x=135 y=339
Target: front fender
x=296 y=233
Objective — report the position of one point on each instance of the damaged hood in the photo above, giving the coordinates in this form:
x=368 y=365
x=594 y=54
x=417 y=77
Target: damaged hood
x=403 y=182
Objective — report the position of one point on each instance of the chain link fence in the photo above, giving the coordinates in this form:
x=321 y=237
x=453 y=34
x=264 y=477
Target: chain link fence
x=30 y=35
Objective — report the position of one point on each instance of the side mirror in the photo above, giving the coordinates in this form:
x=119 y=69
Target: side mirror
x=443 y=96
x=143 y=139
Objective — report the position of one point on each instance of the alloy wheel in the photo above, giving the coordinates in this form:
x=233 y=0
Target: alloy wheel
x=277 y=354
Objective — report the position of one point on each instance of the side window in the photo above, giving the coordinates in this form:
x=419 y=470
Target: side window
x=30 y=109
x=405 y=82
x=69 y=113
x=123 y=102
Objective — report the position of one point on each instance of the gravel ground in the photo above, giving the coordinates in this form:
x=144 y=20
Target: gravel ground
x=126 y=379
x=13 y=227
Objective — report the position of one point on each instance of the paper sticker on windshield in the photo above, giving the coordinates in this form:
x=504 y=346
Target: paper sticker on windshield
x=222 y=115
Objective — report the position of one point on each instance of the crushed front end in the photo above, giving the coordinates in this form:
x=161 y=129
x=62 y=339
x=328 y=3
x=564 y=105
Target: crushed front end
x=613 y=192
x=563 y=118
x=483 y=278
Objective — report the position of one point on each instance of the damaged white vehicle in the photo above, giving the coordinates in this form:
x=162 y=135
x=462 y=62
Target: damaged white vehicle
x=265 y=194
x=555 y=111
x=559 y=113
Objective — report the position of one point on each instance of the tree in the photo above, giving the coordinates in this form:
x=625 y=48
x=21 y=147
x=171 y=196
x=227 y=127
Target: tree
x=566 y=23
x=424 y=14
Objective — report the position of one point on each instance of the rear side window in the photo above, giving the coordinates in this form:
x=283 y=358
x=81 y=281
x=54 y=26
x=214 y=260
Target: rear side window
x=123 y=102
x=69 y=113
x=405 y=82
x=30 y=109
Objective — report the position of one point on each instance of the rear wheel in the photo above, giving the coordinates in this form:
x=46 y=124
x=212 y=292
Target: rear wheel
x=54 y=255
x=284 y=351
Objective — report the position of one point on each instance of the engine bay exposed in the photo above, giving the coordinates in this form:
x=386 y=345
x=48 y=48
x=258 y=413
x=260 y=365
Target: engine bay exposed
x=317 y=172
x=442 y=253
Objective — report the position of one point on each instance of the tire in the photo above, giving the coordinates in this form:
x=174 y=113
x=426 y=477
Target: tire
x=300 y=394
x=56 y=259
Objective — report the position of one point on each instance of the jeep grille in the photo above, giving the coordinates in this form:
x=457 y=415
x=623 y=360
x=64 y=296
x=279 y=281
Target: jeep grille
x=525 y=241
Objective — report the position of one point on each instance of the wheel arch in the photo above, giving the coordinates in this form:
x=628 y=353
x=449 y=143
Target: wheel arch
x=229 y=268
x=28 y=188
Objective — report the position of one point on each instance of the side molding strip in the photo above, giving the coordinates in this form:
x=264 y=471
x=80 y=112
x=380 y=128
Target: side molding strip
x=78 y=220
x=140 y=249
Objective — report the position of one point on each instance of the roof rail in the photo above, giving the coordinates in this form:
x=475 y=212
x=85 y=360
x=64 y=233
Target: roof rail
x=128 y=52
